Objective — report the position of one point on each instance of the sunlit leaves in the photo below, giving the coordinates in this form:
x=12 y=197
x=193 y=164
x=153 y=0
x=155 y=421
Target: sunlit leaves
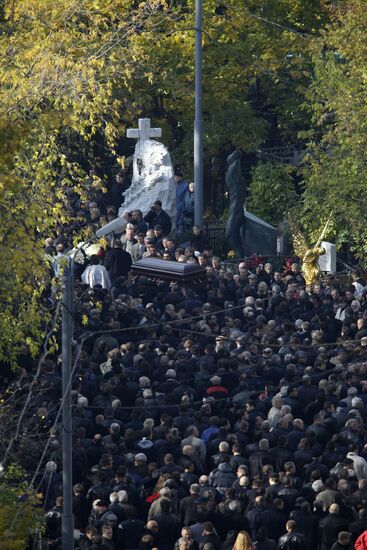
x=77 y=72
x=336 y=168
x=272 y=193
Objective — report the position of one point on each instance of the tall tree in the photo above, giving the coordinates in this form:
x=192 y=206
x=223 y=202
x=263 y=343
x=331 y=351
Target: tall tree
x=74 y=73
x=335 y=174
x=62 y=83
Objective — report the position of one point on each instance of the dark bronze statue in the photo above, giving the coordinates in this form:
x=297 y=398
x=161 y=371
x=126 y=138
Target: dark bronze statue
x=236 y=185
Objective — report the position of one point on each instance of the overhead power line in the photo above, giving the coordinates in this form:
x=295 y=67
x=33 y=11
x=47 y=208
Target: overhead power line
x=278 y=25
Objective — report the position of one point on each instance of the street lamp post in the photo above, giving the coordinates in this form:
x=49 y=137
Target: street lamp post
x=67 y=284
x=198 y=124
x=67 y=468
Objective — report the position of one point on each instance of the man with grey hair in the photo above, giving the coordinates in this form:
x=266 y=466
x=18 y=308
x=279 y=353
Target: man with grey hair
x=285 y=409
x=144 y=382
x=128 y=240
x=141 y=465
x=351 y=393
x=274 y=413
x=123 y=501
x=222 y=455
x=188 y=455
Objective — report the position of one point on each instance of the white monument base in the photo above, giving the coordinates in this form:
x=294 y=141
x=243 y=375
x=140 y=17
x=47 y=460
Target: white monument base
x=153 y=179
x=327 y=262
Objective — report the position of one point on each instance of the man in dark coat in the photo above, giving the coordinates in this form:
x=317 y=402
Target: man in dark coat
x=198 y=239
x=306 y=524
x=157 y=216
x=130 y=531
x=188 y=505
x=209 y=536
x=117 y=188
x=169 y=527
x=292 y=540
x=330 y=526
x=117 y=261
x=235 y=519
x=274 y=520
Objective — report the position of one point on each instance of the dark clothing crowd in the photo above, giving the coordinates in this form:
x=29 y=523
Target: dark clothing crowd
x=228 y=416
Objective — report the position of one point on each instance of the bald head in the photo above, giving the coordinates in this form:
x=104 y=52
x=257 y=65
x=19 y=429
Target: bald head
x=152 y=525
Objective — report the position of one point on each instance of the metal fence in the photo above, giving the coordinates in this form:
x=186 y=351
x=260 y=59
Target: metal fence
x=281 y=155
x=216 y=238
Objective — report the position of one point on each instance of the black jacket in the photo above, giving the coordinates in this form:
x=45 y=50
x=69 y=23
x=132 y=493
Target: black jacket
x=292 y=541
x=118 y=263
x=329 y=527
x=159 y=218
x=307 y=524
x=212 y=539
x=274 y=522
x=129 y=533
x=169 y=530
x=188 y=509
x=198 y=242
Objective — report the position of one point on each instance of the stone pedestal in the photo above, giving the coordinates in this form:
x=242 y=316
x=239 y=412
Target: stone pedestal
x=153 y=179
x=327 y=262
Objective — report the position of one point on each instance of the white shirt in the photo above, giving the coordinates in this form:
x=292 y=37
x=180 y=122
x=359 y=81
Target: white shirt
x=96 y=275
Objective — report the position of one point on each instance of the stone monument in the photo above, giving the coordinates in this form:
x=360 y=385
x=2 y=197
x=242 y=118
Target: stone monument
x=247 y=234
x=153 y=177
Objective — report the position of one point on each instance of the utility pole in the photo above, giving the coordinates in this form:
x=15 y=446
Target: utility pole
x=67 y=466
x=198 y=124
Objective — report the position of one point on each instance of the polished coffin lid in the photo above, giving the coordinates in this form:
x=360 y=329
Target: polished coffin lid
x=164 y=270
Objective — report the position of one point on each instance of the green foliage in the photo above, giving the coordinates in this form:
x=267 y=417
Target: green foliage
x=74 y=74
x=335 y=173
x=272 y=192
x=62 y=86
x=21 y=510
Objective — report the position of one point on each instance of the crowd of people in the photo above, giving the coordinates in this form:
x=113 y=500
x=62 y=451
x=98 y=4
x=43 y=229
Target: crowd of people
x=229 y=416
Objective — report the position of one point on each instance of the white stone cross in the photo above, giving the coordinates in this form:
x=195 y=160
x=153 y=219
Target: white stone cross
x=144 y=131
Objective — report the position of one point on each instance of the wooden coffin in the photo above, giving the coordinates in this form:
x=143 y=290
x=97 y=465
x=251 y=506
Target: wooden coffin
x=161 y=271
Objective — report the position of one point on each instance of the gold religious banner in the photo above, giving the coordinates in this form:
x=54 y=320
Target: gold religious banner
x=310 y=256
